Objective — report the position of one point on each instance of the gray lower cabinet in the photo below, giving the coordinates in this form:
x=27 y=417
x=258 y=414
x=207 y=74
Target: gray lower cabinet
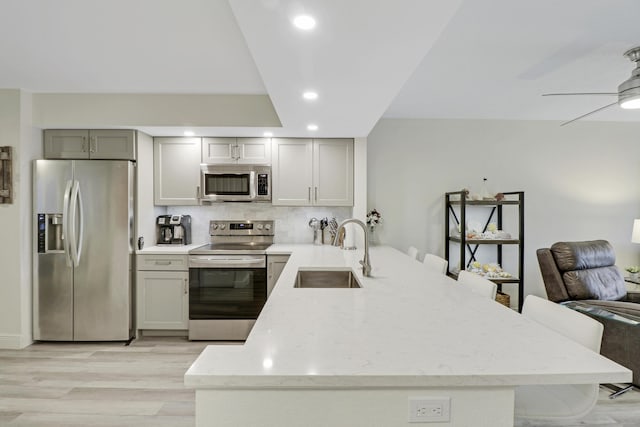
x=96 y=144
x=162 y=296
x=275 y=265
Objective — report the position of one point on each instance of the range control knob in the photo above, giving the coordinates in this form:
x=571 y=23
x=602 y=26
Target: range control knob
x=259 y=226
x=215 y=226
x=267 y=227
x=223 y=226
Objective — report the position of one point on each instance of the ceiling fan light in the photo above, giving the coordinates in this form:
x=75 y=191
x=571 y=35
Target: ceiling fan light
x=631 y=103
x=629 y=92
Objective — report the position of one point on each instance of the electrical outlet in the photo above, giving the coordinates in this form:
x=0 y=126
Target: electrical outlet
x=429 y=409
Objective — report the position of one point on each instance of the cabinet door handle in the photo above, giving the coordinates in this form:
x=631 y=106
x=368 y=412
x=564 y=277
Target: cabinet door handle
x=270 y=270
x=93 y=144
x=84 y=143
x=198 y=192
x=316 y=194
x=163 y=262
x=309 y=194
x=186 y=286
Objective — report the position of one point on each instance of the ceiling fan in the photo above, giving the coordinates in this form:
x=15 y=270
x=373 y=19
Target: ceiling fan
x=628 y=91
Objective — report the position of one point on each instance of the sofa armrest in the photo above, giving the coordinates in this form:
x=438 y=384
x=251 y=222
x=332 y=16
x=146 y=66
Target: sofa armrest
x=610 y=313
x=556 y=290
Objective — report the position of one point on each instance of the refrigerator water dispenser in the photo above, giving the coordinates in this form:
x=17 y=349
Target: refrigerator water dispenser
x=50 y=236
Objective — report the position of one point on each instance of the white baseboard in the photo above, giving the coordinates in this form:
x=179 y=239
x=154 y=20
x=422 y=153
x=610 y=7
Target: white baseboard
x=14 y=342
x=162 y=333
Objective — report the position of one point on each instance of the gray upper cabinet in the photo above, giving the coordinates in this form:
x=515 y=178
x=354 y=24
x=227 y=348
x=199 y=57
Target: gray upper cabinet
x=292 y=172
x=66 y=144
x=176 y=171
x=333 y=172
x=98 y=144
x=112 y=144
x=256 y=151
x=219 y=150
x=316 y=172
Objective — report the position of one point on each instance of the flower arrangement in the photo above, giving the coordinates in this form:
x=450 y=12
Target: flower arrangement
x=633 y=269
x=374 y=218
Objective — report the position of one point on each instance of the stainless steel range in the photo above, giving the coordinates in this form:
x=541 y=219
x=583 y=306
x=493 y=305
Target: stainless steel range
x=228 y=280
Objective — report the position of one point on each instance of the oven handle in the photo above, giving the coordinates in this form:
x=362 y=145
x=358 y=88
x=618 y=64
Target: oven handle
x=211 y=262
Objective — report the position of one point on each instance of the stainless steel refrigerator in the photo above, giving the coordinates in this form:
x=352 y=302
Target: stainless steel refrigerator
x=83 y=260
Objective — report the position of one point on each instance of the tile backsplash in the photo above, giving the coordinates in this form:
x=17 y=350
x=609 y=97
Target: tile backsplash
x=292 y=223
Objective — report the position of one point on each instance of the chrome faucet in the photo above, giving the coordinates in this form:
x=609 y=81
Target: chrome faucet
x=366 y=265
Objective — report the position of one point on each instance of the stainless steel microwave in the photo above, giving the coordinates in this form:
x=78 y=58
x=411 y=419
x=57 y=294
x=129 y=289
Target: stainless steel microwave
x=236 y=183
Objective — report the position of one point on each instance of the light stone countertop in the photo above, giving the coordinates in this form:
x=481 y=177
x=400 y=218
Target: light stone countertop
x=406 y=327
x=285 y=248
x=276 y=249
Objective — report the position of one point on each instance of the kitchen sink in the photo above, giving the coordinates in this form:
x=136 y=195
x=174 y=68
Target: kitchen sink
x=327 y=278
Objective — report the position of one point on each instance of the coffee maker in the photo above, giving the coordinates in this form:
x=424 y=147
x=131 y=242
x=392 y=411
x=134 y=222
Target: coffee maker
x=173 y=229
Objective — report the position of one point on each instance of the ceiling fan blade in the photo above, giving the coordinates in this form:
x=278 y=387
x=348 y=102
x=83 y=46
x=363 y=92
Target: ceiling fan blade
x=590 y=113
x=581 y=93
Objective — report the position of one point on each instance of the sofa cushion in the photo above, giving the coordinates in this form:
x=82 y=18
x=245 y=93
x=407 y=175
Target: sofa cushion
x=582 y=255
x=603 y=283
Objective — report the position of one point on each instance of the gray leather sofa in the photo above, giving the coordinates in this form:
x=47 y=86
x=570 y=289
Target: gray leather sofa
x=583 y=276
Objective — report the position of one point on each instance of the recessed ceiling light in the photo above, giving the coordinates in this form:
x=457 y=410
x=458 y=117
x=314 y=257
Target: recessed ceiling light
x=268 y=134
x=189 y=133
x=312 y=127
x=304 y=22
x=310 y=95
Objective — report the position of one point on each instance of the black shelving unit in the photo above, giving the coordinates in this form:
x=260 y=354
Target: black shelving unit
x=458 y=200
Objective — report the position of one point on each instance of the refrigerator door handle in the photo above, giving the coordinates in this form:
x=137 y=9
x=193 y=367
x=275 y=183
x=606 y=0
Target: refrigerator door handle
x=76 y=208
x=66 y=225
x=80 y=207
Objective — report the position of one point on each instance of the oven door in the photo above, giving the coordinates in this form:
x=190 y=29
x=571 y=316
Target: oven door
x=226 y=286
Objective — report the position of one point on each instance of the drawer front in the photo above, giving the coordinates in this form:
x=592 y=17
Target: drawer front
x=162 y=262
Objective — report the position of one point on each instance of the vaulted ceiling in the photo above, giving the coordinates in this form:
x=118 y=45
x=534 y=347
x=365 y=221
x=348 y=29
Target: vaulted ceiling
x=473 y=59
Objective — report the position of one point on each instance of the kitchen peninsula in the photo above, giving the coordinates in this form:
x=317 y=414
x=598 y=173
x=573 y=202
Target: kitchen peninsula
x=354 y=357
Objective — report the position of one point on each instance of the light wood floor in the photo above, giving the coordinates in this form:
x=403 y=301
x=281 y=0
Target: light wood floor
x=105 y=384
x=66 y=384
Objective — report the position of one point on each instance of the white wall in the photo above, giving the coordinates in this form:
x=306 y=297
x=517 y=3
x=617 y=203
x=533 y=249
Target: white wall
x=359 y=189
x=581 y=181
x=86 y=110
x=15 y=246
x=30 y=149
